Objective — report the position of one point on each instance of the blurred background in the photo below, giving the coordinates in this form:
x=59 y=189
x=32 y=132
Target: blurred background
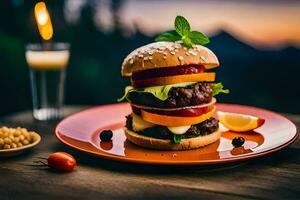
x=257 y=43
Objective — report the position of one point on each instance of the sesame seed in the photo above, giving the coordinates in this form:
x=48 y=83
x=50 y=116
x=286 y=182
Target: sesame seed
x=180 y=58
x=150 y=57
x=187 y=53
x=202 y=58
x=192 y=52
x=165 y=57
x=171 y=49
x=177 y=46
x=185 y=48
x=172 y=52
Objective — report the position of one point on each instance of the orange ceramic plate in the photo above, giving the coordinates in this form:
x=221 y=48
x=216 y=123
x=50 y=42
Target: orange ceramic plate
x=81 y=131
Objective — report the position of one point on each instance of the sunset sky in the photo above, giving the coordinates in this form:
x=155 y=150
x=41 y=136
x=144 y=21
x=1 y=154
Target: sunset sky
x=260 y=23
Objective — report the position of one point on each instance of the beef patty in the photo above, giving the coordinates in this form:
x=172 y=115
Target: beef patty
x=197 y=94
x=161 y=132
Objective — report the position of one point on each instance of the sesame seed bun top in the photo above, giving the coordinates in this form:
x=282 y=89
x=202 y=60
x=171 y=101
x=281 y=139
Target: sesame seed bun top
x=167 y=54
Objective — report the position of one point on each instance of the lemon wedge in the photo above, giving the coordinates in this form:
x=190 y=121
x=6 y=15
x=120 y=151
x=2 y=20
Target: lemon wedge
x=239 y=122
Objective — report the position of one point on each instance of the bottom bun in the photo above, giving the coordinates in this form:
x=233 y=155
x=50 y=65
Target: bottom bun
x=161 y=144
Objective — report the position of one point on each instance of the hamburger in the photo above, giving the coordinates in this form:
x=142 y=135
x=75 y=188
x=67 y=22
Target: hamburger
x=172 y=96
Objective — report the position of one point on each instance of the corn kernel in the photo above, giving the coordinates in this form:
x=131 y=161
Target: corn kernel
x=7 y=140
x=13 y=145
x=21 y=137
x=17 y=133
x=25 y=142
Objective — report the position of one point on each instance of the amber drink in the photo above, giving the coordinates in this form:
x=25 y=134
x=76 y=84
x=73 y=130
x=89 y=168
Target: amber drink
x=47 y=68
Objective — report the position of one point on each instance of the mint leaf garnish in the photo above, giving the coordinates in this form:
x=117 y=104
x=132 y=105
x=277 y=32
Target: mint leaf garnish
x=198 y=38
x=187 y=42
x=183 y=32
x=171 y=36
x=182 y=26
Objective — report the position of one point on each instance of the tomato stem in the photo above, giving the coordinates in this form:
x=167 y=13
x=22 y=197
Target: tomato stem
x=43 y=163
x=41 y=158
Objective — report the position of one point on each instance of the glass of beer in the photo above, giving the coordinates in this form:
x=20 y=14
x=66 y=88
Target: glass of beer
x=47 y=67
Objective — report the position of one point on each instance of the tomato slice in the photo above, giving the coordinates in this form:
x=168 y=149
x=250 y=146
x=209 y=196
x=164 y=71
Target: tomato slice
x=190 y=111
x=199 y=77
x=165 y=120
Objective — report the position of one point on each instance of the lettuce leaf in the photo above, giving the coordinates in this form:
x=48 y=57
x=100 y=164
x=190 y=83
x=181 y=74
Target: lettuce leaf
x=218 y=88
x=160 y=92
x=177 y=138
x=128 y=89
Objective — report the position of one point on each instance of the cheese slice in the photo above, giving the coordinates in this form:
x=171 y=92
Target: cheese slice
x=139 y=124
x=178 y=130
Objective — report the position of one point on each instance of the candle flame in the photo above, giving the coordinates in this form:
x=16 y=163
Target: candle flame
x=43 y=20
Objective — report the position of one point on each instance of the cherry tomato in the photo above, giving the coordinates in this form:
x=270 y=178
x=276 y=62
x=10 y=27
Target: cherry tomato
x=61 y=161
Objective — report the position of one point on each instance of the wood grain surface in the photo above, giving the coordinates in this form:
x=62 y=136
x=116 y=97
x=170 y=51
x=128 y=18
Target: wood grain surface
x=272 y=177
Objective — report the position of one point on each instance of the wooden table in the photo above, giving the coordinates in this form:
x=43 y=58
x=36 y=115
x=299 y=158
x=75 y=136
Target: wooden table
x=272 y=177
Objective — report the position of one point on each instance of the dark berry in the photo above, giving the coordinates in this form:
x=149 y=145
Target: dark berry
x=106 y=135
x=238 y=141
